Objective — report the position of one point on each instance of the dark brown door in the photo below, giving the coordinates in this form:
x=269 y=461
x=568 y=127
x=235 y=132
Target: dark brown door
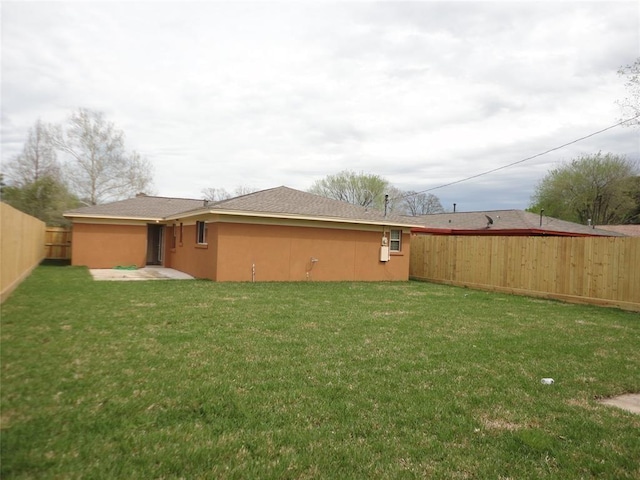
x=154 y=244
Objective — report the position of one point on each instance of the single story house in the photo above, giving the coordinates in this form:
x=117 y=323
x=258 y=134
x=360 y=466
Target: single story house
x=279 y=234
x=504 y=223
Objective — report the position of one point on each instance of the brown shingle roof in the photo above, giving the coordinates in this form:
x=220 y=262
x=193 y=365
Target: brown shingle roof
x=279 y=202
x=141 y=207
x=290 y=202
x=505 y=221
x=629 y=230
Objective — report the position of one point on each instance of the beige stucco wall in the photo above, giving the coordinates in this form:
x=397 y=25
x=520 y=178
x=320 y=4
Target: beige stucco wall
x=284 y=252
x=108 y=246
x=21 y=247
x=197 y=260
x=237 y=251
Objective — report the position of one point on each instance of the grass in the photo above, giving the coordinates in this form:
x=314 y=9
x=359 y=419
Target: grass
x=193 y=379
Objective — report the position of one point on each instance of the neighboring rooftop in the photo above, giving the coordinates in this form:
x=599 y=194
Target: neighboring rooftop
x=504 y=222
x=629 y=230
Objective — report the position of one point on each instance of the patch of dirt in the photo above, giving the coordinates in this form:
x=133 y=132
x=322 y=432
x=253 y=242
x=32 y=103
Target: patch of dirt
x=629 y=402
x=498 y=424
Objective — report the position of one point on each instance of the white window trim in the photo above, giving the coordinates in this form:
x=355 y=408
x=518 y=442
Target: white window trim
x=395 y=244
x=203 y=226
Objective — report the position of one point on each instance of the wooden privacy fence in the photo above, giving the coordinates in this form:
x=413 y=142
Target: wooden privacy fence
x=598 y=270
x=21 y=247
x=58 y=243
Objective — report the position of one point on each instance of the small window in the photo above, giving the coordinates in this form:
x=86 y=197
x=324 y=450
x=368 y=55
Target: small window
x=201 y=233
x=396 y=241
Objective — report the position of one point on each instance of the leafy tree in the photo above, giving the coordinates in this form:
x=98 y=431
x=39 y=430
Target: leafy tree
x=421 y=203
x=99 y=169
x=596 y=188
x=362 y=189
x=45 y=198
x=631 y=105
x=634 y=193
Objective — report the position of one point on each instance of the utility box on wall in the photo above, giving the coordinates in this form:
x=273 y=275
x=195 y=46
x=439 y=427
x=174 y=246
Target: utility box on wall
x=384 y=253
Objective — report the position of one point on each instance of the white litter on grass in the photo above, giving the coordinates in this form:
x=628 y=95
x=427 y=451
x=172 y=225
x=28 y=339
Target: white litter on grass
x=547 y=381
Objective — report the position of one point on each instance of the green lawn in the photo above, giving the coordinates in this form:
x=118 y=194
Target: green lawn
x=193 y=379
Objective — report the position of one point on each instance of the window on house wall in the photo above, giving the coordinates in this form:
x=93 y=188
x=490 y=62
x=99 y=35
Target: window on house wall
x=395 y=242
x=201 y=233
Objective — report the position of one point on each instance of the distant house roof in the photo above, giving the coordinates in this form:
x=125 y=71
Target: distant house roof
x=629 y=230
x=502 y=222
x=280 y=202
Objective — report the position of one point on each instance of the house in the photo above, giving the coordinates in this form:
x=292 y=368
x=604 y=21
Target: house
x=279 y=234
x=504 y=223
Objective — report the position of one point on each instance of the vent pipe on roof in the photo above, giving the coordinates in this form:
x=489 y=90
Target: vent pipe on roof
x=541 y=212
x=454 y=208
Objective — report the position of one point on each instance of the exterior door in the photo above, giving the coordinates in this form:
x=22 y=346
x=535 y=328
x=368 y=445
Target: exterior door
x=155 y=237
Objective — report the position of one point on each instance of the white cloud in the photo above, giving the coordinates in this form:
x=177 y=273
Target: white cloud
x=263 y=94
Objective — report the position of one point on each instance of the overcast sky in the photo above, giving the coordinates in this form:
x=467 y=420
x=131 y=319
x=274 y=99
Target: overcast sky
x=262 y=94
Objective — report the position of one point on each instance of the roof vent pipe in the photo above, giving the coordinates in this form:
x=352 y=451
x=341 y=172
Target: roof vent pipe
x=454 y=208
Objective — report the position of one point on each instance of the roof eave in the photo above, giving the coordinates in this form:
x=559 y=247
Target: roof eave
x=112 y=217
x=318 y=218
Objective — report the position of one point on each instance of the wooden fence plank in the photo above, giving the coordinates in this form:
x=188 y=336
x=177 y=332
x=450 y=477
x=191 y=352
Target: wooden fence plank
x=599 y=270
x=21 y=249
x=58 y=243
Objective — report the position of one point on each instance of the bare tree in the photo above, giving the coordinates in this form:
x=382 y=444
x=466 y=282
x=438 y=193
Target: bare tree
x=37 y=160
x=215 y=194
x=99 y=169
x=631 y=105
x=36 y=185
x=243 y=190
x=421 y=203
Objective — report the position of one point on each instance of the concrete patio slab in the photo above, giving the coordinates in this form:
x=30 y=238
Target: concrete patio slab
x=146 y=273
x=629 y=402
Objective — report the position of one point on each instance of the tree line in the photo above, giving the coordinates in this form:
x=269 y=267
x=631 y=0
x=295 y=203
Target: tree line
x=598 y=189
x=80 y=162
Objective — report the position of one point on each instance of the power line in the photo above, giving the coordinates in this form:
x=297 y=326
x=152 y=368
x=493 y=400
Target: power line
x=521 y=161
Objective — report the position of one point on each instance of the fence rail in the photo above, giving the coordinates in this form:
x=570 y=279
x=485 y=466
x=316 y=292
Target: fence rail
x=58 y=243
x=597 y=270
